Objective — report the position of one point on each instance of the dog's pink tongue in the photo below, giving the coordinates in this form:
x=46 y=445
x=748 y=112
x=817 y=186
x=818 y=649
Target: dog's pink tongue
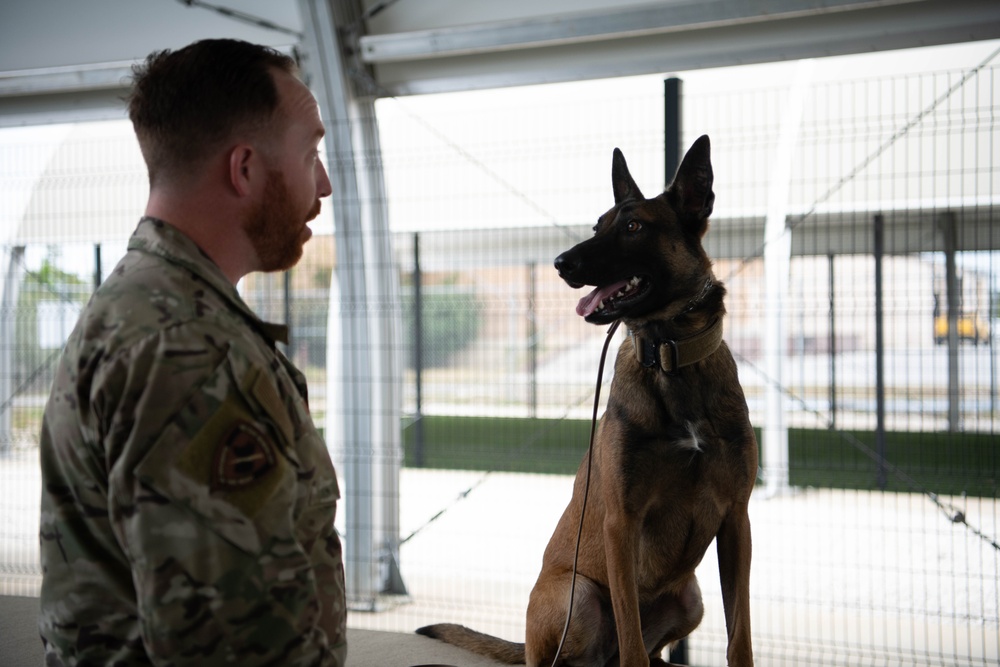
x=589 y=303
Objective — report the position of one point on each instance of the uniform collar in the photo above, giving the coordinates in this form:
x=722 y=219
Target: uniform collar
x=156 y=237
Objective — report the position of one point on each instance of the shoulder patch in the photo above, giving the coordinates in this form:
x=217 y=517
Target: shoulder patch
x=235 y=458
x=242 y=457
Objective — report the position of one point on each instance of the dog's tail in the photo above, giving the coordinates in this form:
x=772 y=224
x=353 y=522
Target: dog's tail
x=501 y=650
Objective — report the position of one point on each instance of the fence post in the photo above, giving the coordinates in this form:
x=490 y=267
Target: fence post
x=98 y=269
x=833 y=348
x=533 y=337
x=993 y=306
x=879 y=224
x=418 y=354
x=946 y=223
x=673 y=126
x=290 y=346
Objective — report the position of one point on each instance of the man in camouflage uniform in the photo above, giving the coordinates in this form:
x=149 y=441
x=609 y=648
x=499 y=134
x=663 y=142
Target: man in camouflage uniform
x=188 y=500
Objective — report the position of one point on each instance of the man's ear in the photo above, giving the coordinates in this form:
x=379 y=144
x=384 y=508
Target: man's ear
x=243 y=163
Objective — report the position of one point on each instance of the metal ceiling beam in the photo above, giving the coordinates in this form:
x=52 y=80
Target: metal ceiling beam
x=64 y=79
x=594 y=26
x=64 y=94
x=669 y=37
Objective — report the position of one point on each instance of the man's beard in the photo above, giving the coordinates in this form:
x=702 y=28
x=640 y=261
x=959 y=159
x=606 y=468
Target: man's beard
x=276 y=229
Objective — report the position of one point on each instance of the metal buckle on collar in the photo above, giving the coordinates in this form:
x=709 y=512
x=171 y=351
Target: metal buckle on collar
x=645 y=351
x=651 y=354
x=675 y=357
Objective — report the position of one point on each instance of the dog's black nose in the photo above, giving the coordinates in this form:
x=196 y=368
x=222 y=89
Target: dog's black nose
x=565 y=263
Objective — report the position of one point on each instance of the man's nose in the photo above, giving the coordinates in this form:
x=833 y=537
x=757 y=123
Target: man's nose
x=323 y=186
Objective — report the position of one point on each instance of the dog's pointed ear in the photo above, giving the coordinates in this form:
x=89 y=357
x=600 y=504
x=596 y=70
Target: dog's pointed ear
x=691 y=191
x=621 y=180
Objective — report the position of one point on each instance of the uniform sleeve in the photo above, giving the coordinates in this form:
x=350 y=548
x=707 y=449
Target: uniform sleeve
x=233 y=553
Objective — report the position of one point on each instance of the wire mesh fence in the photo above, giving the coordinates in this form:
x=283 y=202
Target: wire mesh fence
x=880 y=548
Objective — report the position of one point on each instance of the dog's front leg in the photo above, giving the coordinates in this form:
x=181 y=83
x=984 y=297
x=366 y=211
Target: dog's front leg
x=620 y=552
x=734 y=547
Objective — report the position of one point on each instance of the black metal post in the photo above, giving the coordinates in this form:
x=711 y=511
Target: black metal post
x=679 y=653
x=673 y=151
x=418 y=354
x=833 y=349
x=672 y=127
x=994 y=305
x=953 y=296
x=533 y=336
x=98 y=273
x=879 y=353
x=288 y=311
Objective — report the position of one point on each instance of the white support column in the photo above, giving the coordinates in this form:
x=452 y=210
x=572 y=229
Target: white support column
x=10 y=287
x=15 y=197
x=363 y=397
x=777 y=265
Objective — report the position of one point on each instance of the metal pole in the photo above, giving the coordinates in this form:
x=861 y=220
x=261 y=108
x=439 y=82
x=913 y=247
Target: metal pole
x=98 y=273
x=833 y=349
x=993 y=305
x=365 y=422
x=289 y=349
x=879 y=353
x=946 y=222
x=10 y=289
x=418 y=353
x=673 y=126
x=777 y=270
x=533 y=337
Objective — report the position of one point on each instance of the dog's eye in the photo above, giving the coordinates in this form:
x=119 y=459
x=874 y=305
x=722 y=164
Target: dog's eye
x=633 y=226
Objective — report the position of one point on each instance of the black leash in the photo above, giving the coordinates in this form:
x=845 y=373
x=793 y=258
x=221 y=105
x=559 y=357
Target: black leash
x=586 y=488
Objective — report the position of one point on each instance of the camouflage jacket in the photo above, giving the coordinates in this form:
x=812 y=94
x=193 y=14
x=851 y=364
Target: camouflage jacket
x=187 y=499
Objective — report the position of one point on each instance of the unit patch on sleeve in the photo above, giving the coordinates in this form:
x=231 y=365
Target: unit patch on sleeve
x=242 y=457
x=235 y=458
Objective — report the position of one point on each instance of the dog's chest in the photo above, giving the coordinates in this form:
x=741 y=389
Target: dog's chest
x=689 y=438
x=678 y=436
x=683 y=415
x=677 y=454
x=681 y=498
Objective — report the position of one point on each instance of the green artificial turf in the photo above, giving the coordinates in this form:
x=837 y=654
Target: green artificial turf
x=942 y=463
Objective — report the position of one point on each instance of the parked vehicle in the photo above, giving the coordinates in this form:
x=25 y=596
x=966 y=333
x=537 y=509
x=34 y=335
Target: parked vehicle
x=970 y=327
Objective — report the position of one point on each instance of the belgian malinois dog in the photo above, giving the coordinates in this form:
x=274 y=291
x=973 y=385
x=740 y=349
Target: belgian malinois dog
x=674 y=458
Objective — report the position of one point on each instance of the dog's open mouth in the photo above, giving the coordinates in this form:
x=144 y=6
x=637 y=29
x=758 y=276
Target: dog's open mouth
x=611 y=299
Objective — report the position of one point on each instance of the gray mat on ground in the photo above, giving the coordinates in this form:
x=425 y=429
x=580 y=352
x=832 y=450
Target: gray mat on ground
x=21 y=647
